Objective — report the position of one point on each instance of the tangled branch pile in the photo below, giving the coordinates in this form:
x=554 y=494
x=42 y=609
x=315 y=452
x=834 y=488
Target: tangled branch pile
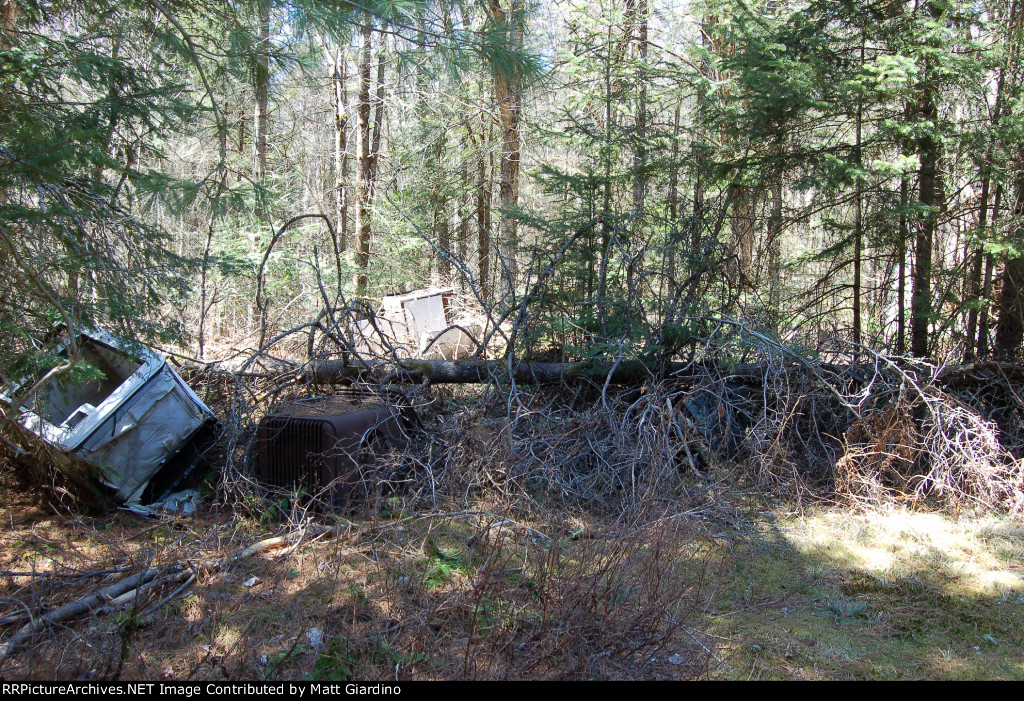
x=848 y=422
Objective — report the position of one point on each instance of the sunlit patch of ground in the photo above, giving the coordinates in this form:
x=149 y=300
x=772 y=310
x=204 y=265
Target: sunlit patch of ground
x=885 y=594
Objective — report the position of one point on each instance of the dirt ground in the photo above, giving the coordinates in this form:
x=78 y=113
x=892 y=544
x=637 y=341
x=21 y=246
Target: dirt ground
x=708 y=592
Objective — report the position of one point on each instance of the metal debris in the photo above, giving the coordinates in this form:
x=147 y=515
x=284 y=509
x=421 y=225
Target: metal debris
x=135 y=420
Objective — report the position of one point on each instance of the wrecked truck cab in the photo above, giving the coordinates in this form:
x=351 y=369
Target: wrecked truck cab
x=139 y=424
x=418 y=324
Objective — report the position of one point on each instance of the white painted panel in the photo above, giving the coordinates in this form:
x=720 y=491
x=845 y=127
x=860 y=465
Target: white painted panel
x=426 y=316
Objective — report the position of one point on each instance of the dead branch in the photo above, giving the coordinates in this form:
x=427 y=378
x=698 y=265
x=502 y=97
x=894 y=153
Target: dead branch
x=80 y=607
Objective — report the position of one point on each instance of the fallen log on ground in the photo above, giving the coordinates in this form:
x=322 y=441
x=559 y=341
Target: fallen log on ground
x=958 y=375
x=629 y=372
x=530 y=373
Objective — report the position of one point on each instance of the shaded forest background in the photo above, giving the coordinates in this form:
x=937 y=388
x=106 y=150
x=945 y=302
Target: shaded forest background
x=818 y=169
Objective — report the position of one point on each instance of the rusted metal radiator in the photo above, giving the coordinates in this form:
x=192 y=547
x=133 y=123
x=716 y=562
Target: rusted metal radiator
x=329 y=448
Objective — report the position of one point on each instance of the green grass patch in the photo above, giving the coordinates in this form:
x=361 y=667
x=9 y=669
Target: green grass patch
x=887 y=595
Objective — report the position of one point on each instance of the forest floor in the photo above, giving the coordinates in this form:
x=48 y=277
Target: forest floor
x=711 y=593
x=880 y=594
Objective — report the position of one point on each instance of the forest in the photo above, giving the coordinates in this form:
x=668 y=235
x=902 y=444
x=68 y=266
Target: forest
x=728 y=381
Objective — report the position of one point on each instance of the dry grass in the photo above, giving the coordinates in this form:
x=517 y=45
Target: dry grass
x=458 y=598
x=885 y=593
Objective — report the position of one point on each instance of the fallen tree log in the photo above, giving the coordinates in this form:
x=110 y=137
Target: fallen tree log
x=630 y=372
x=972 y=373
x=627 y=372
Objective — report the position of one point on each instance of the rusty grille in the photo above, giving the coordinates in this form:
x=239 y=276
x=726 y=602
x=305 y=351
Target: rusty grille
x=325 y=443
x=292 y=452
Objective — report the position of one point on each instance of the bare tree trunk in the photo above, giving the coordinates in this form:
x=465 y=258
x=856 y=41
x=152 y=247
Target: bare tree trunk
x=640 y=122
x=979 y=291
x=483 y=208
x=986 y=289
x=743 y=233
x=921 y=301
x=928 y=196
x=983 y=317
x=975 y=280
x=509 y=95
x=204 y=290
x=774 y=244
x=441 y=224
x=901 y=272
x=262 y=88
x=8 y=24
x=672 y=237
x=1010 y=329
x=698 y=148
x=858 y=233
x=338 y=79
x=465 y=207
x=364 y=166
x=9 y=16
x=378 y=111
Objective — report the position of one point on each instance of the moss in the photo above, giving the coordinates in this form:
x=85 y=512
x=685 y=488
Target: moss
x=421 y=367
x=929 y=597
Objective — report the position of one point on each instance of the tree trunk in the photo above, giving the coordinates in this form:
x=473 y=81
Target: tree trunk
x=774 y=245
x=364 y=166
x=640 y=122
x=338 y=79
x=921 y=299
x=1010 y=329
x=986 y=288
x=9 y=17
x=975 y=280
x=508 y=92
x=901 y=271
x=979 y=289
x=262 y=89
x=483 y=208
x=465 y=207
x=378 y=113
x=8 y=24
x=442 y=225
x=743 y=233
x=928 y=196
x=672 y=236
x=858 y=231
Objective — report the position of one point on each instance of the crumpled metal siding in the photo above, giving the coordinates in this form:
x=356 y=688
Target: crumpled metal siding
x=141 y=435
x=150 y=417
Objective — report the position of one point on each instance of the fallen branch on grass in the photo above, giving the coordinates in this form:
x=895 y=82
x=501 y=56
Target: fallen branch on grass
x=82 y=606
x=131 y=588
